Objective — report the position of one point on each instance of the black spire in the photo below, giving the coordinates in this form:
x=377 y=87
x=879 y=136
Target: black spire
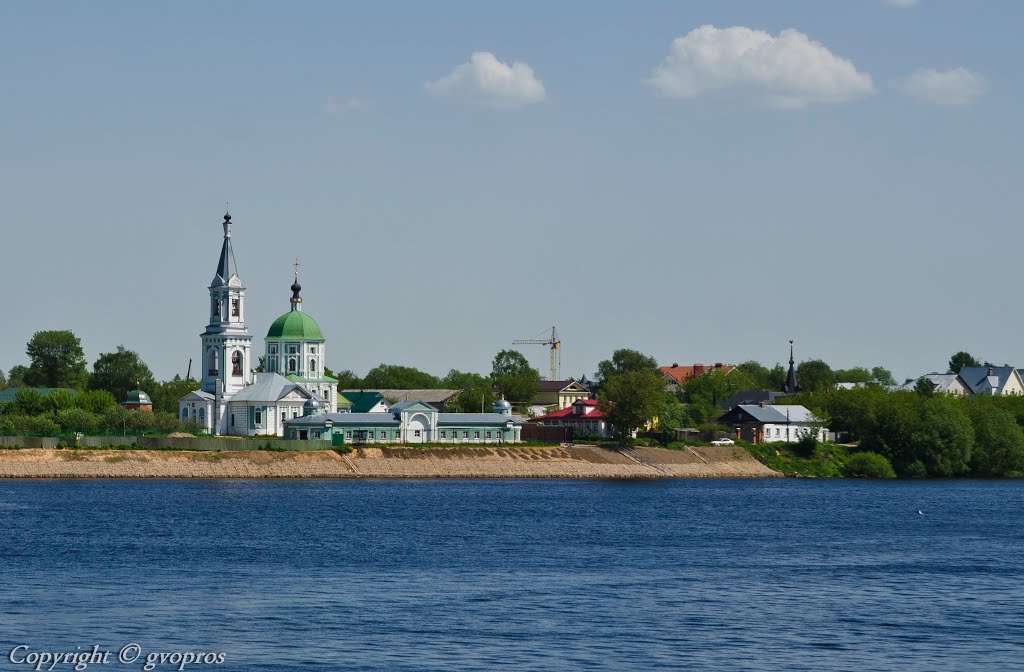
x=791 y=386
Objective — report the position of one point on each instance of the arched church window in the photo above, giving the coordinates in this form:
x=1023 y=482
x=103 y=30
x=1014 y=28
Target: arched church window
x=236 y=363
x=236 y=306
x=214 y=362
x=216 y=307
x=312 y=366
x=292 y=364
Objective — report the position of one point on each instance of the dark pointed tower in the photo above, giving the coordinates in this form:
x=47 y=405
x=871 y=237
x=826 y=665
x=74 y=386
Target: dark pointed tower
x=791 y=386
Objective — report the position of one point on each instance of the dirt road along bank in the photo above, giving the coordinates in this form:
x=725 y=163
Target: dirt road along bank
x=385 y=462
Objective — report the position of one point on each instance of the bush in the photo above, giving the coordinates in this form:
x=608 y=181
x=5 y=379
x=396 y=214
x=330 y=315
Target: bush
x=868 y=465
x=77 y=420
x=806 y=445
x=42 y=426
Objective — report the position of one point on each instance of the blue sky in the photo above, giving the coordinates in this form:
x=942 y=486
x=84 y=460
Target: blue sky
x=438 y=216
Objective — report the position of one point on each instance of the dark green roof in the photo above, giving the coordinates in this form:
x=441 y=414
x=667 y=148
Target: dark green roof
x=295 y=326
x=137 y=397
x=362 y=402
x=9 y=394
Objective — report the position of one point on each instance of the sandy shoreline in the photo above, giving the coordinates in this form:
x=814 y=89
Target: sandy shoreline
x=386 y=462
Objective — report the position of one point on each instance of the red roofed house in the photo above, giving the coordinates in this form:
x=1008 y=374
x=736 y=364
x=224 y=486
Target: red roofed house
x=676 y=376
x=583 y=416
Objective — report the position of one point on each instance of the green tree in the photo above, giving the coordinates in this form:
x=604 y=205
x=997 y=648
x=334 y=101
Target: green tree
x=166 y=394
x=95 y=401
x=28 y=401
x=3 y=381
x=758 y=374
x=998 y=440
x=815 y=375
x=396 y=377
x=59 y=400
x=77 y=420
x=857 y=374
x=477 y=392
x=882 y=376
x=120 y=372
x=922 y=436
x=924 y=387
x=631 y=400
x=960 y=360
x=515 y=378
x=16 y=376
x=346 y=379
x=56 y=359
x=868 y=465
x=623 y=361
x=715 y=386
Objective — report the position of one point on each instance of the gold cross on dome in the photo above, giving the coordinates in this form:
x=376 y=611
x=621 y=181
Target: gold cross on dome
x=296 y=265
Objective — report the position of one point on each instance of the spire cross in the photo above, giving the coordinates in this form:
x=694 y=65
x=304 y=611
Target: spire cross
x=296 y=265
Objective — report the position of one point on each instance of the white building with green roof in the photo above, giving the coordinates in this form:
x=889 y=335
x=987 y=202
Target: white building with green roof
x=233 y=398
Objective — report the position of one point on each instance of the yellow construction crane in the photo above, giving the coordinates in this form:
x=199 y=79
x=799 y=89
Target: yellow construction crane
x=552 y=342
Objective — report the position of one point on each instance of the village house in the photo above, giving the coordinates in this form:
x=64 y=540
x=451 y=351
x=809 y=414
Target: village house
x=559 y=393
x=676 y=376
x=765 y=423
x=583 y=417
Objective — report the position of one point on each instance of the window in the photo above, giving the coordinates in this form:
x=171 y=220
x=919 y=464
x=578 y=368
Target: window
x=292 y=349
x=348 y=434
x=370 y=435
x=292 y=364
x=284 y=416
x=214 y=358
x=476 y=435
x=312 y=366
x=272 y=365
x=232 y=419
x=444 y=434
x=488 y=435
x=258 y=415
x=235 y=307
x=236 y=363
x=184 y=415
x=312 y=349
x=202 y=414
x=216 y=308
x=316 y=433
x=417 y=434
x=273 y=349
x=465 y=435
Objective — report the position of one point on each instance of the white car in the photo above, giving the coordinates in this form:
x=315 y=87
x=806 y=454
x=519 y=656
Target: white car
x=723 y=442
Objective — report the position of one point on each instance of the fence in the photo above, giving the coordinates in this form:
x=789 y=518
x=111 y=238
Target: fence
x=164 y=443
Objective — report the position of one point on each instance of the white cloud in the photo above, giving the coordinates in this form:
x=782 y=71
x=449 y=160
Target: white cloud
x=335 y=106
x=787 y=71
x=901 y=3
x=486 y=80
x=958 y=86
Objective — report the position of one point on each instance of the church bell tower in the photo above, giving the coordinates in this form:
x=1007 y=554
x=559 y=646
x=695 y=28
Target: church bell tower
x=227 y=344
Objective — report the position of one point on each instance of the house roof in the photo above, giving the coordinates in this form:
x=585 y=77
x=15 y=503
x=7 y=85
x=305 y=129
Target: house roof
x=681 y=374
x=475 y=419
x=977 y=377
x=748 y=397
x=557 y=385
x=11 y=392
x=268 y=387
x=361 y=401
x=429 y=396
x=567 y=412
x=941 y=382
x=779 y=413
x=346 y=419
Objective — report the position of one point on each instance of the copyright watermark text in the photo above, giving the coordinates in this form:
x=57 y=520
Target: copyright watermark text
x=129 y=654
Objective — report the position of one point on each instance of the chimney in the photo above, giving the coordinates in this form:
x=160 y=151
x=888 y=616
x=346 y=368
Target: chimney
x=990 y=372
x=718 y=365
x=675 y=365
x=761 y=404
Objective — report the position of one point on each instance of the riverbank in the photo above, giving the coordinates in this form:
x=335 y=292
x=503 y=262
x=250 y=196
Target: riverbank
x=387 y=462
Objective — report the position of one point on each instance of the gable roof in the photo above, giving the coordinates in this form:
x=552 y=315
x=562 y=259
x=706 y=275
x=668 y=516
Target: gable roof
x=559 y=385
x=778 y=414
x=977 y=377
x=269 y=387
x=429 y=396
x=748 y=397
x=567 y=412
x=941 y=382
x=362 y=401
x=680 y=374
x=411 y=404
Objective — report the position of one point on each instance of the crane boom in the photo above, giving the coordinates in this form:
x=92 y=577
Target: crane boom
x=552 y=342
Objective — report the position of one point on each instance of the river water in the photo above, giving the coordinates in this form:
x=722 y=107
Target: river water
x=521 y=575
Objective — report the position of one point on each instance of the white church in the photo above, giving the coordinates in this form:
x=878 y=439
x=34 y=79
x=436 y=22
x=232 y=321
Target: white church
x=233 y=398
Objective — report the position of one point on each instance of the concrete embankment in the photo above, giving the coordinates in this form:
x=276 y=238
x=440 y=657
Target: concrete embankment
x=386 y=462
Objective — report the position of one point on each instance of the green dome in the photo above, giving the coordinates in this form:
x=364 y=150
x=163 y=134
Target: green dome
x=295 y=326
x=138 y=397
